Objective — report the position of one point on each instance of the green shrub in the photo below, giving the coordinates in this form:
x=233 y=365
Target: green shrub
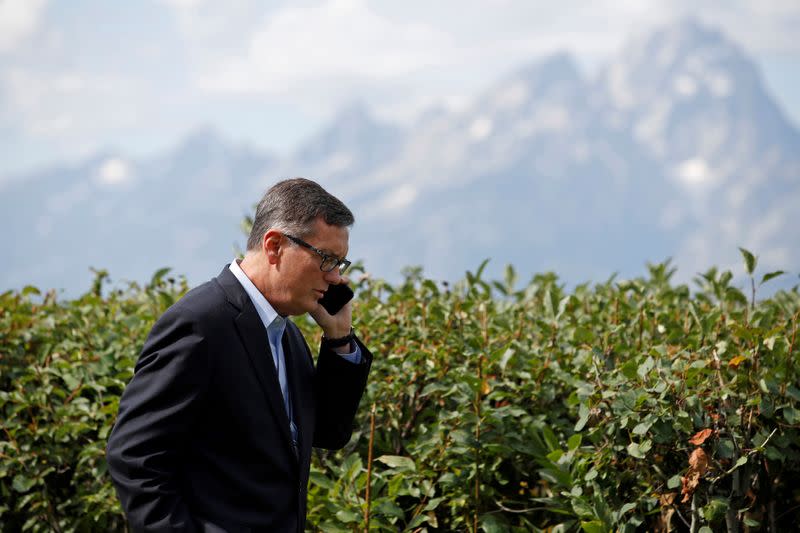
x=617 y=406
x=63 y=367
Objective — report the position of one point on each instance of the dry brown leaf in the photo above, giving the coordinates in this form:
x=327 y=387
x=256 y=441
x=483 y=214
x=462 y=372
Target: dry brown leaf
x=666 y=520
x=701 y=436
x=698 y=465
x=698 y=461
x=667 y=498
x=689 y=485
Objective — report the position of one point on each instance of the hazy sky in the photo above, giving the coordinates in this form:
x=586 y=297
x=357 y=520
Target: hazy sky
x=77 y=76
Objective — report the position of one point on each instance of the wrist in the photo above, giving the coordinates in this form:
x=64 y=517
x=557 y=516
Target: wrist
x=340 y=341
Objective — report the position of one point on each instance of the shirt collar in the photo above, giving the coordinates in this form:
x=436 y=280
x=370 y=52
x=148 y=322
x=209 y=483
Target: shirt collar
x=265 y=311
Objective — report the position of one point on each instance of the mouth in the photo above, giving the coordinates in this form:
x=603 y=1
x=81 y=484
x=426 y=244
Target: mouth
x=321 y=293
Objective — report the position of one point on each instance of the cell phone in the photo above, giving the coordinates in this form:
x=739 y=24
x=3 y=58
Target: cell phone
x=336 y=297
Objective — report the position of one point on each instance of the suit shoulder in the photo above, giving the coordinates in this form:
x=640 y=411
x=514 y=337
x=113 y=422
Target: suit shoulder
x=204 y=302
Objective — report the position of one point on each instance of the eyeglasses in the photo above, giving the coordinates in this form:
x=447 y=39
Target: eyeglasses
x=329 y=262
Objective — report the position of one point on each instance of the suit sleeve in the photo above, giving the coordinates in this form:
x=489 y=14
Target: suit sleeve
x=339 y=386
x=156 y=409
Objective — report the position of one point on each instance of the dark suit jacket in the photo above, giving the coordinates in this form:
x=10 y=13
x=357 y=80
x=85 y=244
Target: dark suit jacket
x=202 y=440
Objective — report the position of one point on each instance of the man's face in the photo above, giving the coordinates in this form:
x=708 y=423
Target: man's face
x=302 y=281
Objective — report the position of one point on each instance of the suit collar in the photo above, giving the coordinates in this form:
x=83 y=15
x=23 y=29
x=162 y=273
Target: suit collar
x=265 y=310
x=234 y=292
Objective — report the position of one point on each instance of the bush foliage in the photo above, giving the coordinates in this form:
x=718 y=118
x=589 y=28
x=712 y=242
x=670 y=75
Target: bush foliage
x=621 y=406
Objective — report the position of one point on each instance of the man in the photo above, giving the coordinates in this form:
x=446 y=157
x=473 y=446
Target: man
x=214 y=431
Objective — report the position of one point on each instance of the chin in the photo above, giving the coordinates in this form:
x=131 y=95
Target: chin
x=307 y=307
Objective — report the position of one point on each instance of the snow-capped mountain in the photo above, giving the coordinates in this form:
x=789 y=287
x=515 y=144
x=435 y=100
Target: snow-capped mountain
x=674 y=150
x=693 y=101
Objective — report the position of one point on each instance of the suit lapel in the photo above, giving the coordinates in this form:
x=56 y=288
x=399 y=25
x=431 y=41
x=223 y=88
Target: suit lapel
x=254 y=338
x=297 y=367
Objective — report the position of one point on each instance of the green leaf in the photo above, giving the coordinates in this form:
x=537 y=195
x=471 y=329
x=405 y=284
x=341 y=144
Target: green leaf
x=640 y=450
x=593 y=526
x=625 y=508
x=629 y=369
x=510 y=278
x=550 y=438
x=770 y=276
x=674 y=482
x=348 y=516
x=417 y=521
x=22 y=483
x=791 y=414
x=398 y=462
x=434 y=503
x=582 y=507
x=583 y=414
x=158 y=276
x=583 y=336
x=574 y=442
x=646 y=367
x=739 y=462
x=555 y=455
x=725 y=449
x=30 y=289
x=562 y=306
x=749 y=260
x=716 y=508
x=493 y=523
x=794 y=392
x=319 y=479
x=505 y=358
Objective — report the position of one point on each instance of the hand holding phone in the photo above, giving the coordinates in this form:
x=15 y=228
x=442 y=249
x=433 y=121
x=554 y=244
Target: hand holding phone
x=336 y=297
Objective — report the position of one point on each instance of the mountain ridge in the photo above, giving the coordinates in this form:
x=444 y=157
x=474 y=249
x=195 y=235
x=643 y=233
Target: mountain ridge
x=674 y=149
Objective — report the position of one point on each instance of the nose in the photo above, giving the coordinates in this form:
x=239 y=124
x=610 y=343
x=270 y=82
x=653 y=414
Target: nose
x=333 y=277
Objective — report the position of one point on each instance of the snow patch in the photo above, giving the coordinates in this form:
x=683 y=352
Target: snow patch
x=695 y=173
x=650 y=128
x=480 y=128
x=719 y=84
x=685 y=85
x=618 y=86
x=512 y=96
x=113 y=171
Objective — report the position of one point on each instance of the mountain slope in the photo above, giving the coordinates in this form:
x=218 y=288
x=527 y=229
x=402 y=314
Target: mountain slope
x=180 y=209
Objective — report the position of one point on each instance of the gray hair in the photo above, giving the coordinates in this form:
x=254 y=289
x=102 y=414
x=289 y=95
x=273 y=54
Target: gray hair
x=292 y=206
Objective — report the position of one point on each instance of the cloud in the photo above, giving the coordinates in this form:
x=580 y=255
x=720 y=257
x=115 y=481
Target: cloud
x=337 y=39
x=392 y=203
x=54 y=104
x=183 y=4
x=189 y=61
x=18 y=19
x=405 y=59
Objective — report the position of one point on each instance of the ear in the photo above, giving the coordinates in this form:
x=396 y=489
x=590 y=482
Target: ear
x=272 y=245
